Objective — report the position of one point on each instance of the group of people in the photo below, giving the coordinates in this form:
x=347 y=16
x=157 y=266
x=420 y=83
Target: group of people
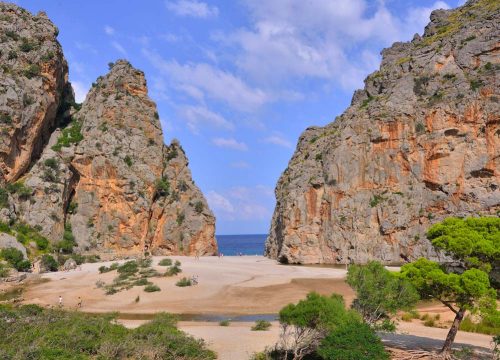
x=78 y=305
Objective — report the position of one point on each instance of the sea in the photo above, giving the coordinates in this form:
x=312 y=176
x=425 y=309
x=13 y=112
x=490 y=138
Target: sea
x=248 y=244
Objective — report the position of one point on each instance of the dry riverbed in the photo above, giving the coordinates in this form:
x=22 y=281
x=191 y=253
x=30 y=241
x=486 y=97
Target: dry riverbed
x=228 y=287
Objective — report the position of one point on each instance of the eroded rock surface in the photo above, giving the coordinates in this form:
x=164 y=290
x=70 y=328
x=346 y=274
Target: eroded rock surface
x=419 y=143
x=33 y=87
x=100 y=176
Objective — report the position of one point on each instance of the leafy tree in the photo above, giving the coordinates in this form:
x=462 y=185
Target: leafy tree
x=474 y=243
x=15 y=258
x=49 y=263
x=353 y=341
x=380 y=293
x=306 y=324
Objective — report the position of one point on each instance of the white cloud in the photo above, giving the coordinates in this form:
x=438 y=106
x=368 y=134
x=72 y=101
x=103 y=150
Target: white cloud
x=80 y=90
x=192 y=8
x=197 y=116
x=218 y=202
x=213 y=82
x=241 y=203
x=169 y=37
x=240 y=165
x=230 y=144
x=109 y=30
x=290 y=39
x=279 y=140
x=118 y=47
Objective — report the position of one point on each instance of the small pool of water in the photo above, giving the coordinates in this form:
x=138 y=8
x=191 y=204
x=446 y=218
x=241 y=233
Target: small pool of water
x=200 y=317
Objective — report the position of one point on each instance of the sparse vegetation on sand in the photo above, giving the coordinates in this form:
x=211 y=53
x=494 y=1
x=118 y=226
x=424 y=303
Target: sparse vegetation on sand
x=31 y=332
x=261 y=325
x=135 y=273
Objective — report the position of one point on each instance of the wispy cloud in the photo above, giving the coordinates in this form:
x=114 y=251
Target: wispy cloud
x=278 y=139
x=198 y=116
x=230 y=144
x=242 y=203
x=240 y=165
x=118 y=47
x=109 y=30
x=212 y=81
x=192 y=8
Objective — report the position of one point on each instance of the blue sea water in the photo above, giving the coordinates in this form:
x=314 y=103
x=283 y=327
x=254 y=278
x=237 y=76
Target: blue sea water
x=250 y=244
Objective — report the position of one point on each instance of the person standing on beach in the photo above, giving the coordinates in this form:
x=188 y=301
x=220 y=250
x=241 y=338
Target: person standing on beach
x=79 y=305
x=60 y=301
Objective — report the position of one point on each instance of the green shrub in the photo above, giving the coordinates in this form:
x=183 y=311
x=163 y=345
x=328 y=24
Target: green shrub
x=375 y=200
x=4 y=270
x=420 y=85
x=180 y=218
x=198 y=207
x=14 y=257
x=24 y=192
x=419 y=127
x=128 y=160
x=261 y=325
x=152 y=288
x=488 y=324
x=142 y=282
x=224 y=323
x=165 y=262
x=184 y=282
x=73 y=205
x=23 y=265
x=129 y=268
x=35 y=333
x=5 y=118
x=72 y=134
x=162 y=187
x=352 y=341
x=4 y=198
x=173 y=270
x=475 y=84
x=27 y=45
x=31 y=71
x=49 y=263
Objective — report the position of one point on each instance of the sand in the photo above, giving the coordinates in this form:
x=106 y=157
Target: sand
x=228 y=286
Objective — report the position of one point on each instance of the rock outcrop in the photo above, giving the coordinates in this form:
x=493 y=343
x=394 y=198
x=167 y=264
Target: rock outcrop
x=33 y=87
x=97 y=178
x=419 y=143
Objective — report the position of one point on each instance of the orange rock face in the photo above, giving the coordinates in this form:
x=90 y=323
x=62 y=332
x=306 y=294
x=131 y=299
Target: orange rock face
x=419 y=143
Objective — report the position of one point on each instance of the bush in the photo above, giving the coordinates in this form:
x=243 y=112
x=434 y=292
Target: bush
x=261 y=325
x=4 y=198
x=165 y=262
x=152 y=288
x=162 y=187
x=173 y=270
x=35 y=333
x=198 y=207
x=224 y=323
x=129 y=268
x=70 y=135
x=488 y=324
x=352 y=341
x=15 y=258
x=142 y=282
x=49 y=263
x=31 y=71
x=128 y=160
x=184 y=282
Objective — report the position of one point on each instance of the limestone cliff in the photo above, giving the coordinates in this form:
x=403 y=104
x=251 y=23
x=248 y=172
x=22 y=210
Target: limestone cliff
x=97 y=178
x=419 y=143
x=33 y=83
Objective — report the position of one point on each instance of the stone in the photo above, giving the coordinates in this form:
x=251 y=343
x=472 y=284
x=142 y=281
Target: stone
x=70 y=264
x=418 y=144
x=9 y=241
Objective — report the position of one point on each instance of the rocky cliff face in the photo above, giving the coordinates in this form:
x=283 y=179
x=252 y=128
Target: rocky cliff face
x=33 y=86
x=419 y=143
x=103 y=180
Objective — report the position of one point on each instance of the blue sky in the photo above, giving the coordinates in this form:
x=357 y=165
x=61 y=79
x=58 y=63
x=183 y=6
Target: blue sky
x=237 y=81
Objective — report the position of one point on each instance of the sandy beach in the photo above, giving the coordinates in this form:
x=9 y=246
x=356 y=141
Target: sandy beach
x=228 y=286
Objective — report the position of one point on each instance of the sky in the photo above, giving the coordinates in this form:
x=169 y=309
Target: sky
x=237 y=81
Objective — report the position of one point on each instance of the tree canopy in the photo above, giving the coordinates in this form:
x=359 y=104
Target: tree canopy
x=379 y=292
